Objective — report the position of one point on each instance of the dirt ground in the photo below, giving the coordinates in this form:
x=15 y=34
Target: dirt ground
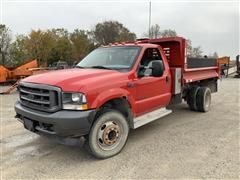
x=184 y=144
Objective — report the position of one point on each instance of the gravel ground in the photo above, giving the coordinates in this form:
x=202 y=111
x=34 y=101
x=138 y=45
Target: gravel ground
x=184 y=144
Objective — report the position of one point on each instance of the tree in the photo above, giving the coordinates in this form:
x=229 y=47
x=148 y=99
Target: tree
x=154 y=32
x=81 y=43
x=126 y=35
x=111 y=31
x=51 y=45
x=189 y=47
x=215 y=55
x=197 y=52
x=19 y=51
x=5 y=41
x=168 y=33
x=193 y=51
x=62 y=46
x=61 y=50
x=60 y=32
x=40 y=44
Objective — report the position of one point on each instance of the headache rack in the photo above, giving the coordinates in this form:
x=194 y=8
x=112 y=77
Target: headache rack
x=40 y=97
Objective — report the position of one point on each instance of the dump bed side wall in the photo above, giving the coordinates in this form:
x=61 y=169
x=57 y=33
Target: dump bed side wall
x=201 y=62
x=199 y=75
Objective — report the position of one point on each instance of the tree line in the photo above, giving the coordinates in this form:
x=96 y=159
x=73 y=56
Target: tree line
x=51 y=45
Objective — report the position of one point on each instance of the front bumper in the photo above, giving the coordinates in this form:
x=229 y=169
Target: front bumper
x=63 y=123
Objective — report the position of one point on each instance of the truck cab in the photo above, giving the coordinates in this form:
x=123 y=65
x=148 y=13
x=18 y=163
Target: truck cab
x=115 y=88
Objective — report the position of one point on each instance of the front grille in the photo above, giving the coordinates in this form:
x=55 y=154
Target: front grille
x=40 y=97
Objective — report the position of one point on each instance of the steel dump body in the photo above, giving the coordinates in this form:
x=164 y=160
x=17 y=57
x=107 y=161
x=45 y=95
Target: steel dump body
x=193 y=69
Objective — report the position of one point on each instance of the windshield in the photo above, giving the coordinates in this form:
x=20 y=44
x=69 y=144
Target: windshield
x=111 y=58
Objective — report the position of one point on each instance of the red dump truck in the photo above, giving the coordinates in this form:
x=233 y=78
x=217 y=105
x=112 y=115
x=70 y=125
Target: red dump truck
x=116 y=88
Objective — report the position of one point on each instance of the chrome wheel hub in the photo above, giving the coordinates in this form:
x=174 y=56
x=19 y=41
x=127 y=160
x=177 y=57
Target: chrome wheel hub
x=109 y=135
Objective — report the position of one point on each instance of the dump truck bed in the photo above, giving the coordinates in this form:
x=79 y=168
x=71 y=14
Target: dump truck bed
x=198 y=69
x=193 y=69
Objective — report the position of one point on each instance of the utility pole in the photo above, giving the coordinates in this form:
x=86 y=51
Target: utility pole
x=149 y=20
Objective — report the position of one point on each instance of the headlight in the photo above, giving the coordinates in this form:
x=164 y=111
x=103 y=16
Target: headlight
x=74 y=101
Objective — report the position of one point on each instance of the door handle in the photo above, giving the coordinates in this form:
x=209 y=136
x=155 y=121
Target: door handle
x=167 y=79
x=130 y=84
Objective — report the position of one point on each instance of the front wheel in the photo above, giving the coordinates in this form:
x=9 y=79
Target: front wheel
x=108 y=134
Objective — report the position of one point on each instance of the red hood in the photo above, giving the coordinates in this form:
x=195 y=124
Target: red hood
x=74 y=79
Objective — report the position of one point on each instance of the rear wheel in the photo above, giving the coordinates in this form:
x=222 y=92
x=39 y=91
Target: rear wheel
x=108 y=134
x=203 y=99
x=191 y=99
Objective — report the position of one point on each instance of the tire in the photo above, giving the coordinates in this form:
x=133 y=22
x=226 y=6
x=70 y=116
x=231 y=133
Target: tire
x=203 y=99
x=191 y=99
x=108 y=134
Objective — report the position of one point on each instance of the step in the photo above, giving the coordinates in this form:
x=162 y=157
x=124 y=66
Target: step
x=151 y=116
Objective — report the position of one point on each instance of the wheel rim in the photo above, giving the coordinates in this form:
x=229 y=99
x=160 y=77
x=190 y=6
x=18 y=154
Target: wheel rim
x=208 y=100
x=109 y=135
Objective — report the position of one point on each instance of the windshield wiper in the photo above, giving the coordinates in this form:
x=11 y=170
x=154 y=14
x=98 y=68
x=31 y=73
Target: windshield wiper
x=120 y=68
x=81 y=67
x=100 y=67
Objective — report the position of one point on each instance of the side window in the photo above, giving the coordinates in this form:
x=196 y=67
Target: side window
x=150 y=54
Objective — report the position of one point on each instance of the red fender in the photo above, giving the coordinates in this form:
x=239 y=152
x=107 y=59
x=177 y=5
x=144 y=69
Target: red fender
x=114 y=93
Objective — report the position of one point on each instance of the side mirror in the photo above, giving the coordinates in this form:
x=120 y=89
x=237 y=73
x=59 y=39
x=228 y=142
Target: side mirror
x=157 y=68
x=141 y=70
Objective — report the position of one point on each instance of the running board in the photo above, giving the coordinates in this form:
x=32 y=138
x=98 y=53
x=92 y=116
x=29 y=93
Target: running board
x=149 y=117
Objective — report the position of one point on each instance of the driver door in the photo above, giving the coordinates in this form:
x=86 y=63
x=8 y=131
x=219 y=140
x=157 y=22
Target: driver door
x=151 y=92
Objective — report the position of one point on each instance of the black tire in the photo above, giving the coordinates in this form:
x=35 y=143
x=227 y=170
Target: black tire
x=203 y=99
x=108 y=134
x=191 y=99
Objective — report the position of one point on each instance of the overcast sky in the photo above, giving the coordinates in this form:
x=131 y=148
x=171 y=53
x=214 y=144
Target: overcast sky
x=212 y=25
